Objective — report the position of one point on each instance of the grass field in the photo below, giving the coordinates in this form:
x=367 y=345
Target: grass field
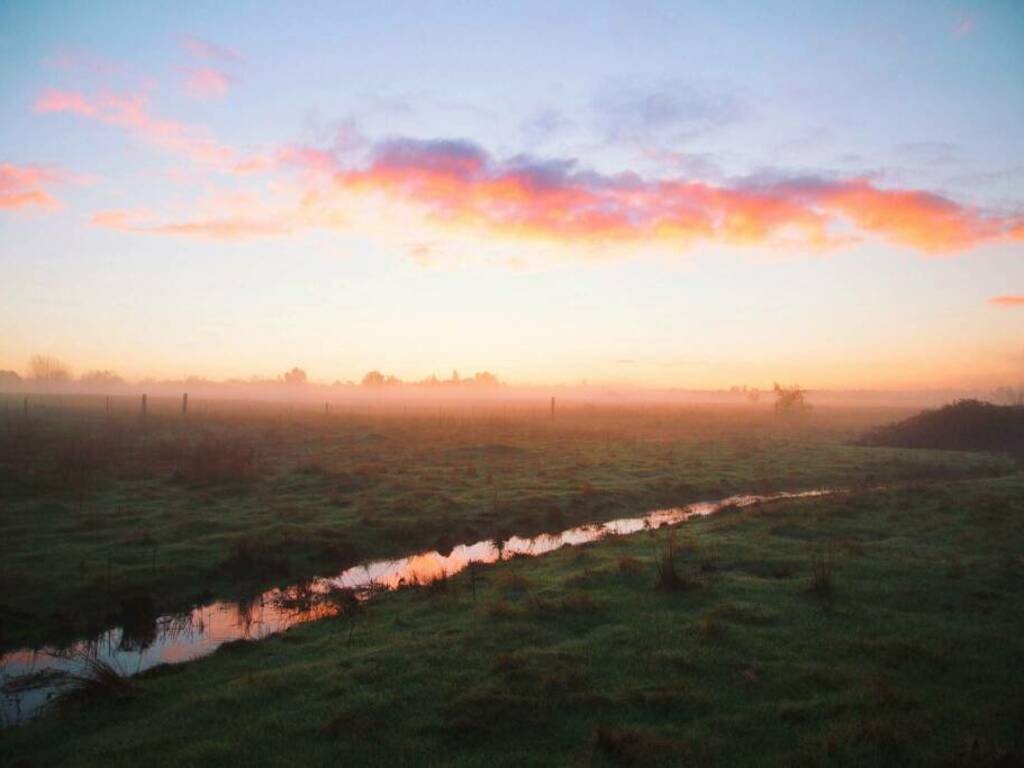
x=879 y=627
x=101 y=510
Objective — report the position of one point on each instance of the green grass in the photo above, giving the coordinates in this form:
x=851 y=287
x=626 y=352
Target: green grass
x=99 y=511
x=576 y=658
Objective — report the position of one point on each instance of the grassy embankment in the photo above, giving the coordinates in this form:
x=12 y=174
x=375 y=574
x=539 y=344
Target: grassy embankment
x=876 y=628
x=100 y=511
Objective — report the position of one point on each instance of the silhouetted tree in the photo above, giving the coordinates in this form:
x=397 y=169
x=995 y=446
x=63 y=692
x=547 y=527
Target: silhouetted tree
x=789 y=399
x=295 y=376
x=753 y=394
x=485 y=379
x=48 y=369
x=101 y=378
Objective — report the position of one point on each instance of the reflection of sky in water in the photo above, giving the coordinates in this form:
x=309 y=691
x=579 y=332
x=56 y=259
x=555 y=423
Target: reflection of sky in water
x=182 y=637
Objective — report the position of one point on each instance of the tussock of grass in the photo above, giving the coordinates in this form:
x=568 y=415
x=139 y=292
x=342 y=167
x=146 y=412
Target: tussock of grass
x=670 y=578
x=99 y=680
x=822 y=582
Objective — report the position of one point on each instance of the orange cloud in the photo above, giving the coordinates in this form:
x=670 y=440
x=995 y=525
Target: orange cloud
x=921 y=220
x=215 y=229
x=456 y=182
x=24 y=186
x=223 y=217
x=458 y=187
x=121 y=218
x=1007 y=301
x=206 y=82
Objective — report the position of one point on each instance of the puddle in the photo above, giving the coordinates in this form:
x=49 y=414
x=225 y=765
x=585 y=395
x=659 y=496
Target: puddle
x=31 y=678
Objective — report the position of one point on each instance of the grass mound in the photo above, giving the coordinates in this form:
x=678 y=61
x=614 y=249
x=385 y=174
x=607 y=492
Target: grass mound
x=966 y=425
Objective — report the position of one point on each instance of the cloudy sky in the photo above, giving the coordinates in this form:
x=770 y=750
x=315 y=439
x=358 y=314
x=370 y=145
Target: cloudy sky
x=678 y=194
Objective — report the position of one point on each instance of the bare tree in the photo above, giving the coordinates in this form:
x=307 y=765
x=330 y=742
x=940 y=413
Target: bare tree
x=48 y=369
x=789 y=399
x=485 y=379
x=295 y=376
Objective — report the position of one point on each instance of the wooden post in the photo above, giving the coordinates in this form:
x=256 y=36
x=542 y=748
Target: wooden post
x=552 y=407
x=108 y=405
x=184 y=403
x=143 y=406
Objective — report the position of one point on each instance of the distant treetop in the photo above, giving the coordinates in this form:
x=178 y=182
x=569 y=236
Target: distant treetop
x=295 y=376
x=479 y=379
x=49 y=369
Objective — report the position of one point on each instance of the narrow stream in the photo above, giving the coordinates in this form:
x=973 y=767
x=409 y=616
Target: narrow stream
x=31 y=678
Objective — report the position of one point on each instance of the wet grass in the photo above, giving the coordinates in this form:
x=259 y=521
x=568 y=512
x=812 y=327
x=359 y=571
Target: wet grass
x=98 y=510
x=579 y=658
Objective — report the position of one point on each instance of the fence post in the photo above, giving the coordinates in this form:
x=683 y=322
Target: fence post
x=184 y=403
x=552 y=407
x=144 y=406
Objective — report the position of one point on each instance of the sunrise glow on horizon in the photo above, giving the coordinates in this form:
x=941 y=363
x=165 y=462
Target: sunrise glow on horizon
x=661 y=195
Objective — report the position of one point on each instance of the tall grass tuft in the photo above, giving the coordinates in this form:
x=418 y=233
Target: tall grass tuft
x=822 y=584
x=669 y=578
x=100 y=679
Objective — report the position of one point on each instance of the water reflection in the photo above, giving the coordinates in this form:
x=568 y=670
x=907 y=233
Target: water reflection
x=29 y=678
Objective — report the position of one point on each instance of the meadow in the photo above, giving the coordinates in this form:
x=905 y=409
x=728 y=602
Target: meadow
x=820 y=631
x=814 y=632
x=104 y=512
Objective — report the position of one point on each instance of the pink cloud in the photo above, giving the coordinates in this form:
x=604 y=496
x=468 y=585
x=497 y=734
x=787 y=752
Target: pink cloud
x=84 y=61
x=65 y=101
x=206 y=82
x=25 y=186
x=207 y=51
x=1007 y=301
x=457 y=184
x=130 y=111
x=234 y=216
x=228 y=227
x=308 y=159
x=252 y=164
x=964 y=26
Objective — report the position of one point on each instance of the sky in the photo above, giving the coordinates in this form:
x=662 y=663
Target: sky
x=693 y=195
